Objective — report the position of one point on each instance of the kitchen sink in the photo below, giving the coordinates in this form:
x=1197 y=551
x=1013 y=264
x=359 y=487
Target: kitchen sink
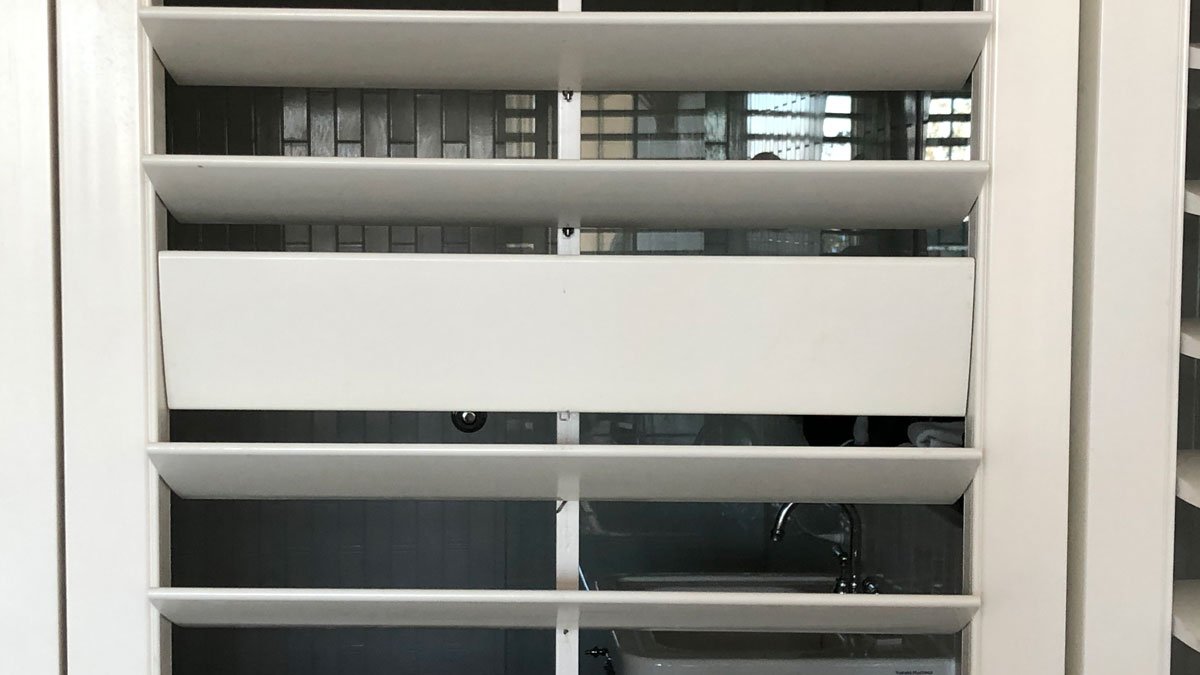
x=642 y=652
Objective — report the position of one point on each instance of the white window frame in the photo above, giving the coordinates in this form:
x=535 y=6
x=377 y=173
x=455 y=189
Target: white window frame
x=1019 y=401
x=30 y=635
x=1129 y=237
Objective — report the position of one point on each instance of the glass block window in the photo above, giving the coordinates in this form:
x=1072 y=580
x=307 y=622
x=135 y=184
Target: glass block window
x=947 y=129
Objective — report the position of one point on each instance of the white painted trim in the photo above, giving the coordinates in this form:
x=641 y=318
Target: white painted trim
x=593 y=51
x=30 y=635
x=642 y=193
x=107 y=257
x=1127 y=335
x=1025 y=109
x=158 y=510
x=671 y=610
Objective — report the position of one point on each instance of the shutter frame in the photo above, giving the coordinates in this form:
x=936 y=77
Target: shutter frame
x=114 y=394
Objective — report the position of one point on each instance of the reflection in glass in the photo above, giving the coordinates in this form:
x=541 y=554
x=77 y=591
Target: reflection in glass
x=948 y=126
x=789 y=125
x=785 y=125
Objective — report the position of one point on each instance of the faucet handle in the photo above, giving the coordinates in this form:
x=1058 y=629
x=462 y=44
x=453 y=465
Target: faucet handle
x=846 y=582
x=843 y=559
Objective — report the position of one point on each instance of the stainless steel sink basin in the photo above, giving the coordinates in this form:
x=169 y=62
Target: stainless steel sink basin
x=729 y=583
x=707 y=653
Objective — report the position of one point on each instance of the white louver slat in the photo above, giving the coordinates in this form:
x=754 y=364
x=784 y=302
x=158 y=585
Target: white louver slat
x=884 y=336
x=1189 y=338
x=1185 y=614
x=658 y=473
x=1187 y=477
x=596 y=51
x=597 y=193
x=674 y=610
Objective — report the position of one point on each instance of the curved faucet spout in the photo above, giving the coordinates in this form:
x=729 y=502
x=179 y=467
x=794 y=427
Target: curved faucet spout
x=847 y=560
x=781 y=518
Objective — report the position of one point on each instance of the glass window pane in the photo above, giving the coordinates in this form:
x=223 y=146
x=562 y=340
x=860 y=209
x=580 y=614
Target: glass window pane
x=938 y=130
x=837 y=126
x=836 y=151
x=838 y=104
x=617 y=101
x=937 y=152
x=939 y=106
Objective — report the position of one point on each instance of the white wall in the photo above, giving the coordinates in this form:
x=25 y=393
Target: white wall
x=29 y=440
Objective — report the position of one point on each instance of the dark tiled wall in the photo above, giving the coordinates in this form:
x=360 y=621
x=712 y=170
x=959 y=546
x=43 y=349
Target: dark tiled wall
x=776 y=5
x=347 y=426
x=917 y=548
x=360 y=544
x=357 y=123
x=357 y=544
x=361 y=651
x=457 y=124
x=510 y=5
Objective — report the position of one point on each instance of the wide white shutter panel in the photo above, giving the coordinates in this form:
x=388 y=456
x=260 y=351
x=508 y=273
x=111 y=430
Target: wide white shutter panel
x=234 y=326
x=915 y=326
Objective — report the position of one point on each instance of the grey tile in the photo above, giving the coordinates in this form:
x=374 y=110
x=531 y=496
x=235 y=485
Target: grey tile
x=349 y=114
x=402 y=120
x=321 y=123
x=295 y=115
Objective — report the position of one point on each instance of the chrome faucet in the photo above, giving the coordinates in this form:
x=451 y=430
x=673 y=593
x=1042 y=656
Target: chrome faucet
x=848 y=579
